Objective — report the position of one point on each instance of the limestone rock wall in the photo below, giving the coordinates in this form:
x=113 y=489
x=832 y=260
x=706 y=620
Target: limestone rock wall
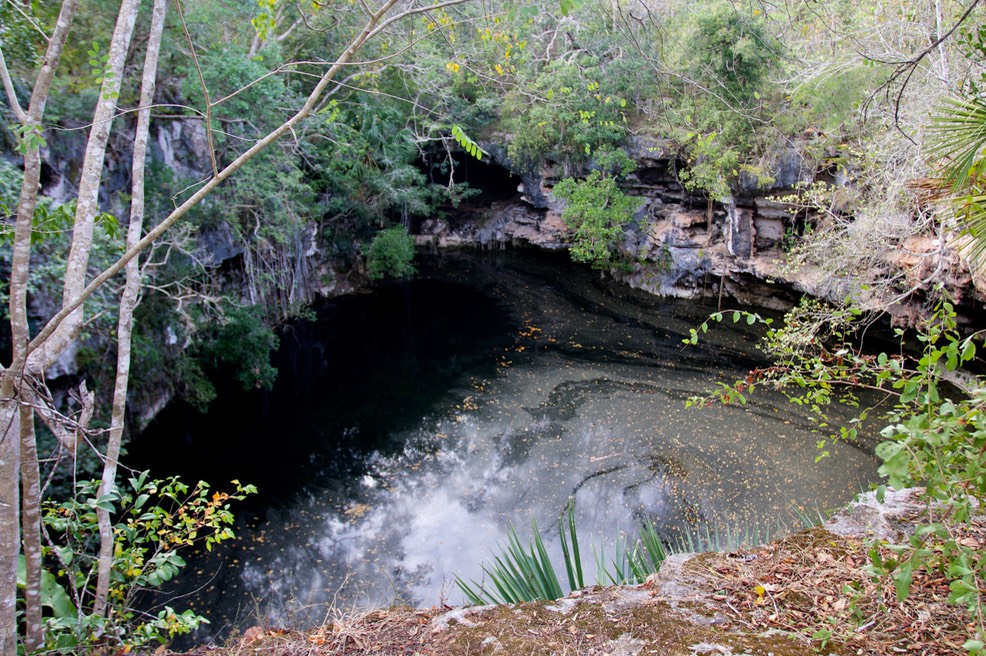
x=680 y=245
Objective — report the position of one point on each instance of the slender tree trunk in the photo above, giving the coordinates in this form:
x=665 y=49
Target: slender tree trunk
x=942 y=53
x=11 y=379
x=31 y=531
x=128 y=302
x=92 y=174
x=9 y=522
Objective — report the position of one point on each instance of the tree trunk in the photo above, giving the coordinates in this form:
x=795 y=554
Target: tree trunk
x=9 y=524
x=12 y=378
x=128 y=302
x=92 y=174
x=31 y=531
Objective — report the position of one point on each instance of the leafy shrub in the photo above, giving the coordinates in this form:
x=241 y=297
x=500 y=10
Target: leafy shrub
x=598 y=211
x=935 y=437
x=730 y=52
x=576 y=109
x=154 y=521
x=243 y=340
x=391 y=254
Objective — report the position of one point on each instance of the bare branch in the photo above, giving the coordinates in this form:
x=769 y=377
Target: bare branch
x=205 y=90
x=8 y=87
x=39 y=347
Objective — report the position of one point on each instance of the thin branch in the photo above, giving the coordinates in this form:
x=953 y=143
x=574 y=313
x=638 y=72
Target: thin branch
x=205 y=90
x=910 y=66
x=374 y=26
x=30 y=19
x=8 y=86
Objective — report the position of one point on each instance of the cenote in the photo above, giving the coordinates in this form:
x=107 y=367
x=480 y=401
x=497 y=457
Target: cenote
x=410 y=425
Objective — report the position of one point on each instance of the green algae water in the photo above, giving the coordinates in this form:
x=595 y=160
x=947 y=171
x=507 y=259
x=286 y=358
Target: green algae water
x=410 y=426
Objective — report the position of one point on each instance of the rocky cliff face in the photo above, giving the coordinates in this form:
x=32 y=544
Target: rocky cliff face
x=679 y=245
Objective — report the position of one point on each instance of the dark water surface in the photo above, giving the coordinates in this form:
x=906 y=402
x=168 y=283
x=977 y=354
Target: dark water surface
x=409 y=426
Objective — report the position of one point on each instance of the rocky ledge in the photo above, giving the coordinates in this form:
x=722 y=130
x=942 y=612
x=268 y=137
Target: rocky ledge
x=807 y=593
x=680 y=245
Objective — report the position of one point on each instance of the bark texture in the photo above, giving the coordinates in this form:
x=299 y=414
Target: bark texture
x=128 y=302
x=12 y=379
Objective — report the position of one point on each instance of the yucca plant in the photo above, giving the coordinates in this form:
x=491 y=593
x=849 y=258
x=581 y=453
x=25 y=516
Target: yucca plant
x=633 y=563
x=517 y=575
x=522 y=574
x=570 y=547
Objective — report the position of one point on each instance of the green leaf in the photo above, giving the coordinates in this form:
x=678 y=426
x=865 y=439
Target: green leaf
x=968 y=350
x=902 y=580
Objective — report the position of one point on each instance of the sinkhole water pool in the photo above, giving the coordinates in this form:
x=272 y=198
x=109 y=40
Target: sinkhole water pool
x=410 y=426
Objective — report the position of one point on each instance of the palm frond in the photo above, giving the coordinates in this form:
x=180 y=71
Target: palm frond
x=958 y=138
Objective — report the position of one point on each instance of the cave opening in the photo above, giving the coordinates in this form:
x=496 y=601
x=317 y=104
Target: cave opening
x=487 y=182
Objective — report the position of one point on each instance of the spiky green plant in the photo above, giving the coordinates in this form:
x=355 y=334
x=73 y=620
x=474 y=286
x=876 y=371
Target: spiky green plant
x=522 y=574
x=517 y=574
x=570 y=547
x=958 y=138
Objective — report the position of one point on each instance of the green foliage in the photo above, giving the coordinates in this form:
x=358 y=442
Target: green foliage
x=633 y=563
x=731 y=52
x=29 y=138
x=597 y=210
x=613 y=162
x=266 y=18
x=365 y=171
x=99 y=68
x=959 y=140
x=972 y=40
x=226 y=72
x=243 y=340
x=154 y=521
x=830 y=102
x=723 y=104
x=575 y=111
x=932 y=439
x=522 y=573
x=11 y=179
x=23 y=29
x=710 y=166
x=391 y=254
x=50 y=235
x=187 y=352
x=467 y=144
x=519 y=574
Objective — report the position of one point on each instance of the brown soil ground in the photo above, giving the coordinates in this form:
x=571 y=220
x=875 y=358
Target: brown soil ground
x=806 y=594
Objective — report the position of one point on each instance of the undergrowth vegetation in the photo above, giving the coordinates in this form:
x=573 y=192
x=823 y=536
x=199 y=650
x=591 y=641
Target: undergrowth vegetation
x=155 y=521
x=525 y=573
x=934 y=435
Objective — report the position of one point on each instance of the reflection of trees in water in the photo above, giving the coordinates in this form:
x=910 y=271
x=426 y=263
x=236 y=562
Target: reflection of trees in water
x=591 y=407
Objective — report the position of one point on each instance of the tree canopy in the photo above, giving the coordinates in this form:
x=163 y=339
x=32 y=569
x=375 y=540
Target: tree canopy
x=283 y=132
